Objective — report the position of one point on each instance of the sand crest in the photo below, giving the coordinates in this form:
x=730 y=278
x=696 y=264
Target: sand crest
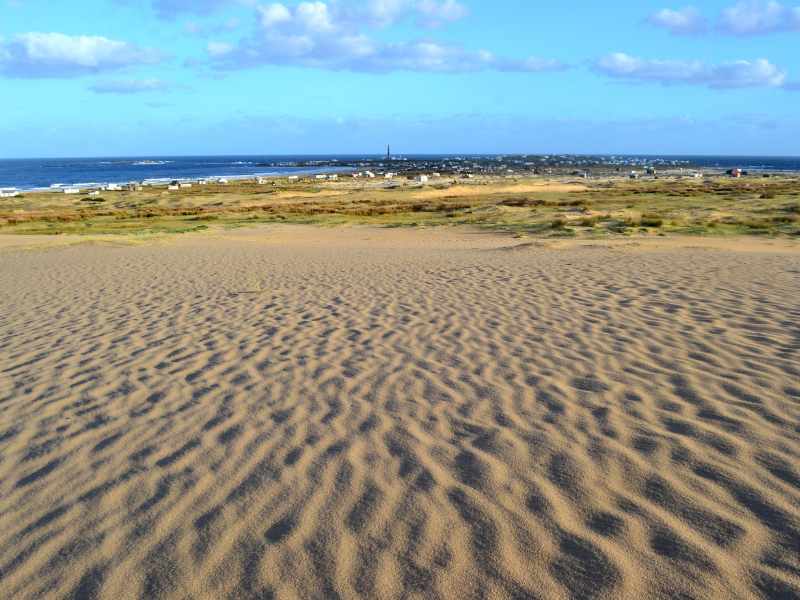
x=433 y=414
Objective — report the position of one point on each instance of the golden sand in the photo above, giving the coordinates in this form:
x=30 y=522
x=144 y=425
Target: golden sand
x=434 y=414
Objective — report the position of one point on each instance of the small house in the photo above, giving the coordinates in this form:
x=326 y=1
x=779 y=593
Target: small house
x=633 y=175
x=369 y=174
x=222 y=181
x=172 y=187
x=736 y=173
x=184 y=185
x=112 y=186
x=696 y=175
x=71 y=191
x=201 y=182
x=292 y=177
x=333 y=177
x=93 y=193
x=422 y=178
x=318 y=177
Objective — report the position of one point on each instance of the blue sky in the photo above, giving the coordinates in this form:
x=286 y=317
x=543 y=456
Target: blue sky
x=170 y=77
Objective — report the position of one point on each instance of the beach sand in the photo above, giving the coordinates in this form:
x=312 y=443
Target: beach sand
x=399 y=414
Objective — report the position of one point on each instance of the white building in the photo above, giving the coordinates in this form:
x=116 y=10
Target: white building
x=422 y=178
x=112 y=186
x=355 y=174
x=9 y=194
x=389 y=175
x=184 y=185
x=172 y=187
x=697 y=175
x=261 y=181
x=71 y=191
x=333 y=177
x=201 y=182
x=435 y=175
x=292 y=177
x=318 y=177
x=369 y=174
x=95 y=193
x=223 y=181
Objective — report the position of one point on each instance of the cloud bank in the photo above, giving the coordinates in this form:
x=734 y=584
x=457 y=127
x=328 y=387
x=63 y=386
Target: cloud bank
x=329 y=36
x=757 y=18
x=55 y=55
x=743 y=20
x=688 y=21
x=739 y=74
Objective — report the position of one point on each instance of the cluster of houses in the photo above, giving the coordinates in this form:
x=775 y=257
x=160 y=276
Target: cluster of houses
x=137 y=187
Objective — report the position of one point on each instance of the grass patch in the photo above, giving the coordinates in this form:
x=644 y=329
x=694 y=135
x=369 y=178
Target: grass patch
x=650 y=221
x=620 y=206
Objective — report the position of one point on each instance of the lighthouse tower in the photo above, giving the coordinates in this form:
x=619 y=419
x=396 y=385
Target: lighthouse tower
x=389 y=152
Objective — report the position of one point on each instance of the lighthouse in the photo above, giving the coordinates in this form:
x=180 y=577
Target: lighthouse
x=389 y=151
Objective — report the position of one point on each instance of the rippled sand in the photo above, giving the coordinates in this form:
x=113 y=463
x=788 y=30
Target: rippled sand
x=399 y=415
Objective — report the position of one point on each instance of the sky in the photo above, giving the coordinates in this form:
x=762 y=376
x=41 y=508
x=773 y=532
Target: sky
x=200 y=77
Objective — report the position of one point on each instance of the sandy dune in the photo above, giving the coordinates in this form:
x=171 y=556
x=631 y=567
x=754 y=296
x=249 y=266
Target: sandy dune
x=398 y=415
x=497 y=188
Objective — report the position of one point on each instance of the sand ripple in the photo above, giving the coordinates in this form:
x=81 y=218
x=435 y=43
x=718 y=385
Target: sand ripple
x=411 y=419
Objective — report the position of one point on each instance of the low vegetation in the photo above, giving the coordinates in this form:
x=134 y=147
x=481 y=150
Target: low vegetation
x=714 y=206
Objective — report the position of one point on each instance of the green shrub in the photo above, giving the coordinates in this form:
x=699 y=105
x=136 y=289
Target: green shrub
x=651 y=221
x=559 y=223
x=759 y=224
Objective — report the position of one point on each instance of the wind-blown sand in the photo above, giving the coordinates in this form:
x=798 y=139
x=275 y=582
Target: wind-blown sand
x=435 y=414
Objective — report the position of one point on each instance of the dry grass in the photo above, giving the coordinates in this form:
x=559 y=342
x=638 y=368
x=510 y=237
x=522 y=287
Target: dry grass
x=713 y=206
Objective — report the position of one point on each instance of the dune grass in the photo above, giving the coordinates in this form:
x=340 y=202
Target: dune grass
x=716 y=206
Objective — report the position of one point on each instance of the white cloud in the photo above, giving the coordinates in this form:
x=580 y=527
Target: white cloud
x=759 y=18
x=329 y=36
x=134 y=86
x=429 y=14
x=43 y=55
x=738 y=74
x=688 y=21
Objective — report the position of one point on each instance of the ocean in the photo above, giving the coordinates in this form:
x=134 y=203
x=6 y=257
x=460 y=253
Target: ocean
x=33 y=174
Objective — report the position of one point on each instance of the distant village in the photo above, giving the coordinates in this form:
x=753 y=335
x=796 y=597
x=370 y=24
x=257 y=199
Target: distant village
x=431 y=170
x=504 y=166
